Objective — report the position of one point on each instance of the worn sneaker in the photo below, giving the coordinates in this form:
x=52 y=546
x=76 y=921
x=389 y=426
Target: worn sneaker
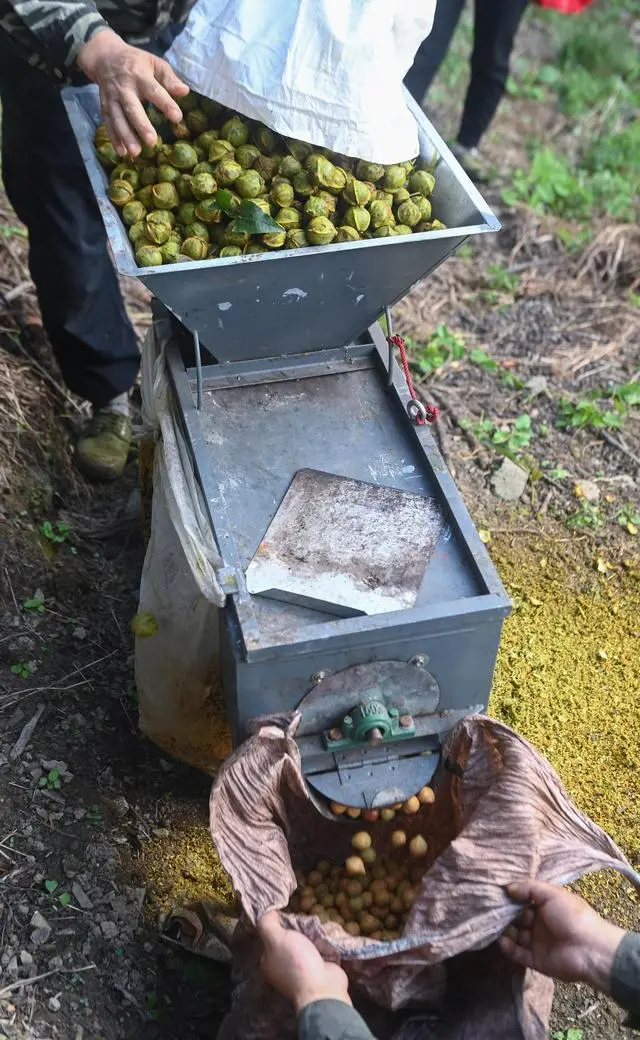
x=102 y=453
x=472 y=163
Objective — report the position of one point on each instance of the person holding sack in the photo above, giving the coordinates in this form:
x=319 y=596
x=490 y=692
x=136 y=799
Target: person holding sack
x=558 y=935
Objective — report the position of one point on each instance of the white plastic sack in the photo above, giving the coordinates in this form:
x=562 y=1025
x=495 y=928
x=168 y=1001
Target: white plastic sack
x=177 y=666
x=328 y=72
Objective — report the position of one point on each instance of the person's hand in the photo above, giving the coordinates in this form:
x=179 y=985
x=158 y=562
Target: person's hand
x=561 y=936
x=126 y=77
x=292 y=965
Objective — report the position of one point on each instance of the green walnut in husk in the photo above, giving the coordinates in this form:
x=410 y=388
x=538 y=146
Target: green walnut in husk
x=101 y=136
x=264 y=204
x=249 y=184
x=220 y=150
x=235 y=131
x=401 y=229
x=165 y=196
x=288 y=218
x=149 y=256
x=108 y=155
x=203 y=186
x=408 y=213
x=227 y=172
x=181 y=131
x=384 y=196
x=381 y=214
x=329 y=200
x=125 y=173
x=235 y=238
x=384 y=231
x=167 y=174
x=357 y=217
x=357 y=193
x=437 y=225
x=296 y=239
x=246 y=155
x=267 y=167
x=186 y=212
x=133 y=212
x=325 y=175
x=253 y=247
x=183 y=186
x=212 y=109
x=189 y=102
x=400 y=196
x=171 y=251
x=196 y=229
x=394 y=177
x=195 y=248
x=275 y=239
x=158 y=227
x=422 y=182
x=148 y=175
x=303 y=185
x=149 y=151
x=316 y=207
x=282 y=193
x=230 y=251
x=206 y=139
x=346 y=233
x=289 y=166
x=368 y=171
x=138 y=233
x=321 y=232
x=423 y=205
x=183 y=155
x=202 y=167
x=265 y=139
x=145 y=196
x=120 y=192
x=208 y=212
x=298 y=149
x=197 y=121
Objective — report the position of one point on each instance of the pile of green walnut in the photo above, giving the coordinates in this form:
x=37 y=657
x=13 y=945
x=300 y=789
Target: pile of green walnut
x=221 y=185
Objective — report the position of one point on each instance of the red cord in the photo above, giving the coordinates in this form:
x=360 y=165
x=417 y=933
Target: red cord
x=431 y=410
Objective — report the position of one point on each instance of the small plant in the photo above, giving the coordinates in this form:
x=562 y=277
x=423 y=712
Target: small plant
x=35 y=604
x=51 y=781
x=588 y=412
x=568 y=1034
x=508 y=441
x=56 y=533
x=443 y=346
x=479 y=357
x=22 y=668
x=586 y=515
x=501 y=280
x=52 y=886
x=629 y=518
x=549 y=186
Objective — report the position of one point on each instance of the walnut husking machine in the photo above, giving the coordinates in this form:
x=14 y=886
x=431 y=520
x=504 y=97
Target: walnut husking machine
x=358 y=590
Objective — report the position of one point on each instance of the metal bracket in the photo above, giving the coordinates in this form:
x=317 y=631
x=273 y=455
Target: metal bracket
x=196 y=347
x=369 y=724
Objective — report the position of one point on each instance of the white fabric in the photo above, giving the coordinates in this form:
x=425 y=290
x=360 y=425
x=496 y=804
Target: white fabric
x=328 y=72
x=177 y=667
x=120 y=405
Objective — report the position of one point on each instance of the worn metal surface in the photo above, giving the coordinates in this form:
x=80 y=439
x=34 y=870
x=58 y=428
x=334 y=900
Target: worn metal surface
x=345 y=546
x=264 y=305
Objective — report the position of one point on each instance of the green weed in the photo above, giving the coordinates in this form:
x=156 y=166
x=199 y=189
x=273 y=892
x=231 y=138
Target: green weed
x=35 y=604
x=568 y=1034
x=629 y=518
x=591 y=413
x=508 y=440
x=51 y=781
x=443 y=346
x=586 y=515
x=22 y=668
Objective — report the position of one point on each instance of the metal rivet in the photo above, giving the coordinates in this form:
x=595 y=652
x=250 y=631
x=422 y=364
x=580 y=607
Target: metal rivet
x=419 y=660
x=335 y=734
x=405 y=721
x=319 y=676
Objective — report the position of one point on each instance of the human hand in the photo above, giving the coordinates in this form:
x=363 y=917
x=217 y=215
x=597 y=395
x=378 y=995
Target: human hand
x=292 y=965
x=561 y=936
x=127 y=76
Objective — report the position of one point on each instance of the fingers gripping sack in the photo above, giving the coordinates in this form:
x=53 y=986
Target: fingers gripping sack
x=500 y=815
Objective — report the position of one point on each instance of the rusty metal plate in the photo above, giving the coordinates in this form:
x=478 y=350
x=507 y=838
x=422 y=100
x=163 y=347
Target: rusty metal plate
x=346 y=546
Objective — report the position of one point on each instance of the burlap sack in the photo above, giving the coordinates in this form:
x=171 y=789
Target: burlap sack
x=500 y=814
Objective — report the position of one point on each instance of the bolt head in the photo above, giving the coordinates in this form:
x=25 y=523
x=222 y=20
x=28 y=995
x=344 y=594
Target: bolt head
x=405 y=721
x=347 y=722
x=335 y=734
x=419 y=661
x=317 y=677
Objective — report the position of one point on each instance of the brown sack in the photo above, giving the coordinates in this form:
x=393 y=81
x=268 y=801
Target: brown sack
x=500 y=814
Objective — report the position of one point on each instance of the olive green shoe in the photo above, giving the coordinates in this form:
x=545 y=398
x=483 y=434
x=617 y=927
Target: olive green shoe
x=102 y=453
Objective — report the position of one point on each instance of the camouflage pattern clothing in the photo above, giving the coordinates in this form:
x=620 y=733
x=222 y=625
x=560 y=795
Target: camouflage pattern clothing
x=50 y=33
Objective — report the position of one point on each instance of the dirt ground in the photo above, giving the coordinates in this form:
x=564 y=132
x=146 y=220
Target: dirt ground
x=100 y=833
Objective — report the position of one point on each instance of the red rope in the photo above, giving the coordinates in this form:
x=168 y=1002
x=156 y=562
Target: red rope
x=431 y=410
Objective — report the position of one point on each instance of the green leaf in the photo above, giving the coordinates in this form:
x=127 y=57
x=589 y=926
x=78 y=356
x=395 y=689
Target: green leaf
x=64 y=898
x=51 y=886
x=254 y=221
x=523 y=422
x=226 y=201
x=34 y=603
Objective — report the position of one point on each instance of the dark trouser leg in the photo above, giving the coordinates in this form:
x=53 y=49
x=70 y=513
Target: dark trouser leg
x=45 y=179
x=433 y=50
x=495 y=27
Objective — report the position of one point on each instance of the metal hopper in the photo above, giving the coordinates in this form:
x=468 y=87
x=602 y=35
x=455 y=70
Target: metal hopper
x=292 y=301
